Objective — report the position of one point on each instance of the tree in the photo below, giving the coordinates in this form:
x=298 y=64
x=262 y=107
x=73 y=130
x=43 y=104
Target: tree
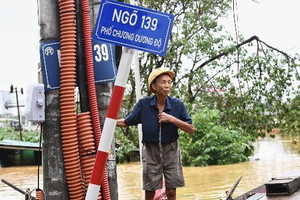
x=212 y=143
x=289 y=116
x=247 y=81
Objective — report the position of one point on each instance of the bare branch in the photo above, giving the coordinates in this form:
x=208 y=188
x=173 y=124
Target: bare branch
x=237 y=47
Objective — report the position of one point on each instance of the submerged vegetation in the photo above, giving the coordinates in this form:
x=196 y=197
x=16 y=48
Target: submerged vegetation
x=27 y=136
x=213 y=143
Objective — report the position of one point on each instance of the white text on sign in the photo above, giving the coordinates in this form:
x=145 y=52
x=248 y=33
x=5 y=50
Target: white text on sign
x=125 y=17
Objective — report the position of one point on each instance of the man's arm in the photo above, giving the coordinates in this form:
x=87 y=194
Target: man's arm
x=164 y=117
x=121 y=123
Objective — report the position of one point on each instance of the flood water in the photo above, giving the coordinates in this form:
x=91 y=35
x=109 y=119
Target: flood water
x=272 y=157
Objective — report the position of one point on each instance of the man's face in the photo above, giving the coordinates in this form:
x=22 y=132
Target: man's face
x=163 y=85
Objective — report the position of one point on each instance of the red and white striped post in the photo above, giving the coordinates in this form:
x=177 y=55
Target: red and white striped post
x=110 y=123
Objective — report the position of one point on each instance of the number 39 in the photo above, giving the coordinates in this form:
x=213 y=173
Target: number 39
x=101 y=52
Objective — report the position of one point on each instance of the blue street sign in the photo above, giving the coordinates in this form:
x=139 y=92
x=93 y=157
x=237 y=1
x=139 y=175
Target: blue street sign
x=105 y=69
x=104 y=59
x=49 y=56
x=133 y=27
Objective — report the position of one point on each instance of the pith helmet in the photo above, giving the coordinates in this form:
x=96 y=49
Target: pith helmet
x=155 y=73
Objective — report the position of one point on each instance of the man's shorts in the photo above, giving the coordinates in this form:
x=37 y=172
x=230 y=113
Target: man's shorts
x=155 y=167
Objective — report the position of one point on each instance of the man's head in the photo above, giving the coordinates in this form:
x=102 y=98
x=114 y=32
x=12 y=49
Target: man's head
x=155 y=74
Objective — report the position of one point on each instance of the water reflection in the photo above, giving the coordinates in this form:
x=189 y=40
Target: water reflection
x=272 y=157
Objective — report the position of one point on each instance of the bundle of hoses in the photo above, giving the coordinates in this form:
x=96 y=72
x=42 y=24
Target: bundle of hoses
x=76 y=174
x=87 y=150
x=67 y=99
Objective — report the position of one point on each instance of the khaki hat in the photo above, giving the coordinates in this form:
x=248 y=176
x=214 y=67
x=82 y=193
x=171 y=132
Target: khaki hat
x=155 y=73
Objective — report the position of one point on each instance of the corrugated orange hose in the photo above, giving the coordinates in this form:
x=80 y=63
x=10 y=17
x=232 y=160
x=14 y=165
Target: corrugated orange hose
x=92 y=88
x=87 y=150
x=39 y=194
x=90 y=71
x=67 y=99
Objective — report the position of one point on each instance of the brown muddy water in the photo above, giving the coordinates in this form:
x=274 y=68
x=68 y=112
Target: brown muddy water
x=271 y=158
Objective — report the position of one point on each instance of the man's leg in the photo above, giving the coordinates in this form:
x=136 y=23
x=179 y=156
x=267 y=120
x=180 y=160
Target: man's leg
x=171 y=193
x=149 y=195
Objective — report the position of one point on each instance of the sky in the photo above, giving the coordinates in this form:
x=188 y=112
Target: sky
x=273 y=21
x=19 y=39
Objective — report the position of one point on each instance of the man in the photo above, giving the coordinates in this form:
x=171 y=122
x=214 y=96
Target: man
x=160 y=115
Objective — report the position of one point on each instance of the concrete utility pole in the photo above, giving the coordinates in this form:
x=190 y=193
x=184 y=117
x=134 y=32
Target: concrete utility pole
x=103 y=92
x=55 y=184
x=54 y=177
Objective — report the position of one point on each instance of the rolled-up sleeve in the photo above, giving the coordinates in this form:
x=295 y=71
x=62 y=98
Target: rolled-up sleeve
x=184 y=115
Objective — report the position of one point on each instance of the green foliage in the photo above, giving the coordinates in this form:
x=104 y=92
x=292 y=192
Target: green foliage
x=27 y=136
x=290 y=116
x=213 y=143
x=125 y=147
x=246 y=80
